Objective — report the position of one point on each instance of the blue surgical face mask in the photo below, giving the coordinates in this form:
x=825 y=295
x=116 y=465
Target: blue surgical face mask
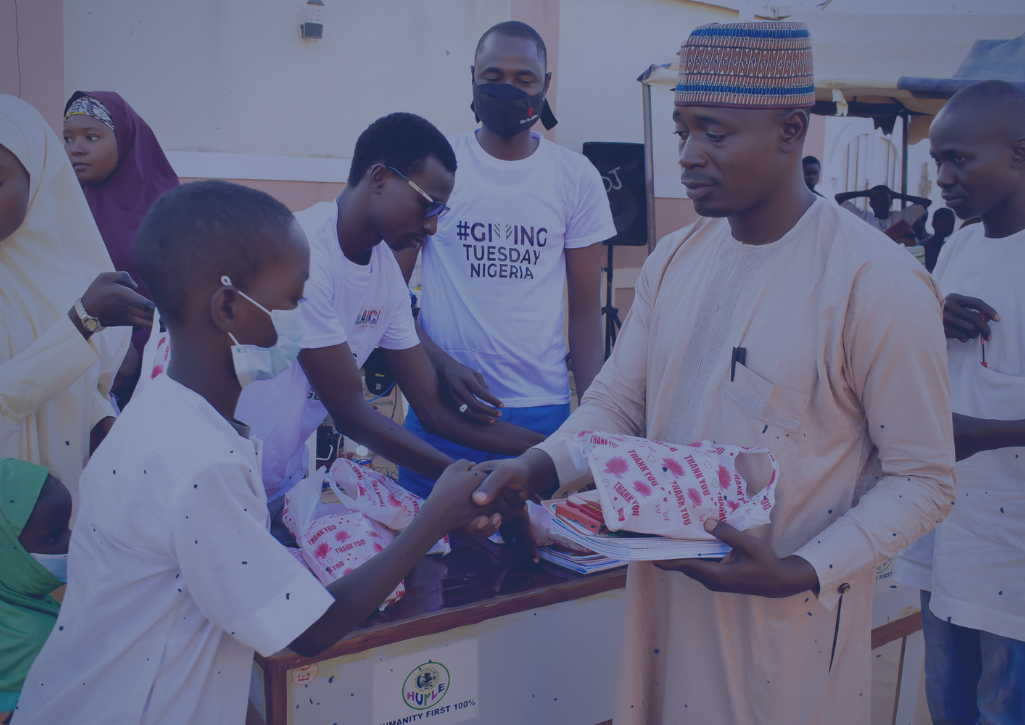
x=56 y=564
x=253 y=362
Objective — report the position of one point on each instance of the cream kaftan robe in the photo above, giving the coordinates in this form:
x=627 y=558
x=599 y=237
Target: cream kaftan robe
x=845 y=353
x=54 y=384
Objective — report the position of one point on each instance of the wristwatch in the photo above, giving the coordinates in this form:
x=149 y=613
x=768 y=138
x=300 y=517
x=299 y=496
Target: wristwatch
x=92 y=324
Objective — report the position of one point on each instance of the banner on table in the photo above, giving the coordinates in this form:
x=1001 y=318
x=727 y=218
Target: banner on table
x=437 y=686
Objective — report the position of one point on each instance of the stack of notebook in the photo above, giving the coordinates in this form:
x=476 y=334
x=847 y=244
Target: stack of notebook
x=578 y=561
x=580 y=520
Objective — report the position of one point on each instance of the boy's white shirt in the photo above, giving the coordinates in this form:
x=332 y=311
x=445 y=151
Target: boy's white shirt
x=973 y=562
x=365 y=305
x=173 y=577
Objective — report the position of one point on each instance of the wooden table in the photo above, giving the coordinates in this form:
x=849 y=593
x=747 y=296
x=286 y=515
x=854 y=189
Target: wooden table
x=509 y=608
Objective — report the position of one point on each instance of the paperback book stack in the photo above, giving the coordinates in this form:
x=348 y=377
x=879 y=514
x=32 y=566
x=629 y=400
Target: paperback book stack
x=579 y=520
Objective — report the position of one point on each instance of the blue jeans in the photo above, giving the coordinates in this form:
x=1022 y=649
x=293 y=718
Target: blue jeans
x=543 y=419
x=972 y=677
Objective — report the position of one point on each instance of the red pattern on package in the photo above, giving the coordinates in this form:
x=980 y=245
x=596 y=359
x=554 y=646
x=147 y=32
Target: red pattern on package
x=374 y=494
x=335 y=538
x=649 y=487
x=161 y=356
x=303 y=504
x=335 y=545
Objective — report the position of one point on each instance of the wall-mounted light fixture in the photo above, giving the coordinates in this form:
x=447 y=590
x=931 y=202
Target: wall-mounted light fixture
x=314 y=25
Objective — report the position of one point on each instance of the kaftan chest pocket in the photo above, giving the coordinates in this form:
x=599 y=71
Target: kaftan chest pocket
x=773 y=404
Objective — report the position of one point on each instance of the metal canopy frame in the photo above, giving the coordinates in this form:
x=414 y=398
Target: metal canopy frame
x=880 y=71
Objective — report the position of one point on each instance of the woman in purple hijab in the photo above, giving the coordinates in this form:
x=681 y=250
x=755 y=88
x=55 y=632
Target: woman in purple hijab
x=123 y=170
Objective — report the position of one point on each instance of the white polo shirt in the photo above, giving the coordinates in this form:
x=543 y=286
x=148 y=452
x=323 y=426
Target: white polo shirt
x=494 y=274
x=365 y=305
x=173 y=577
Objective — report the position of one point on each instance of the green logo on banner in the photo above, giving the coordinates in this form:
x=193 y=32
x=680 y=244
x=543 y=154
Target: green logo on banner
x=426 y=685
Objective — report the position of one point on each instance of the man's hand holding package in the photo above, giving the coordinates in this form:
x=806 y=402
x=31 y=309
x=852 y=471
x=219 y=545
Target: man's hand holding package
x=752 y=567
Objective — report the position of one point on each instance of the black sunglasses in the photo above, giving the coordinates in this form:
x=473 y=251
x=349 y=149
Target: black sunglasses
x=436 y=208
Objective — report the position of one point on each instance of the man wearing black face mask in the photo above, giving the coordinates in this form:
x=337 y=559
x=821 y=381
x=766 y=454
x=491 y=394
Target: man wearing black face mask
x=527 y=217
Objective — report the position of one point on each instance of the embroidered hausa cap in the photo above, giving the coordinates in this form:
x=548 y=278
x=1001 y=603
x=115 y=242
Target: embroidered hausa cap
x=747 y=65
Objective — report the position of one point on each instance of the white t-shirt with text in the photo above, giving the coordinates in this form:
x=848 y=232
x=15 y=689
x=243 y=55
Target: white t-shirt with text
x=364 y=305
x=173 y=577
x=493 y=275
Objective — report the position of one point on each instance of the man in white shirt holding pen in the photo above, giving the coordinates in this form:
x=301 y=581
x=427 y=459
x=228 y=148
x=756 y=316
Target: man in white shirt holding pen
x=970 y=570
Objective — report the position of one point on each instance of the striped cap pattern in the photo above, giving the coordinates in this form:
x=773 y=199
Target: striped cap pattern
x=747 y=65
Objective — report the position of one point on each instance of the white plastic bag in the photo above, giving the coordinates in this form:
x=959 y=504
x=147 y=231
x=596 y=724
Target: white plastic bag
x=333 y=539
x=155 y=355
x=373 y=494
x=335 y=545
x=650 y=487
x=378 y=497
x=303 y=504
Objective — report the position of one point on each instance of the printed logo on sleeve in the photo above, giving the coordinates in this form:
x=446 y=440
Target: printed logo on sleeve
x=504 y=251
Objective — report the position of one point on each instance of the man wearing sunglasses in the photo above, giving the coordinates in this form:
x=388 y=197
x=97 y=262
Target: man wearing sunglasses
x=356 y=299
x=527 y=220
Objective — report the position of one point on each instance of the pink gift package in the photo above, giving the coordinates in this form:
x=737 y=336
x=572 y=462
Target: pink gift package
x=335 y=538
x=650 y=487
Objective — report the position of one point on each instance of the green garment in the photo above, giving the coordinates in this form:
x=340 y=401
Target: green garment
x=27 y=611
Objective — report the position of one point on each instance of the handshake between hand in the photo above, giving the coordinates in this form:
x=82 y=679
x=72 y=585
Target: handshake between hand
x=481 y=499
x=751 y=567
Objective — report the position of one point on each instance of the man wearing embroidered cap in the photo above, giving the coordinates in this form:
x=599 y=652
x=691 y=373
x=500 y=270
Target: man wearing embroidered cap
x=843 y=377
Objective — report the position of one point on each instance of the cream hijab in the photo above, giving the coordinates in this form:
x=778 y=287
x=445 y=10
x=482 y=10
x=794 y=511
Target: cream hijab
x=48 y=263
x=57 y=252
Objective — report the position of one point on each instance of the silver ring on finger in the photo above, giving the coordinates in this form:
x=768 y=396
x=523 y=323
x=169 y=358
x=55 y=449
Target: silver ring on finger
x=463 y=407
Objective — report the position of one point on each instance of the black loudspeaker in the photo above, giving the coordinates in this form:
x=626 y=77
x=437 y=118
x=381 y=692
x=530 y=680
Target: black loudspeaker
x=621 y=166
x=376 y=373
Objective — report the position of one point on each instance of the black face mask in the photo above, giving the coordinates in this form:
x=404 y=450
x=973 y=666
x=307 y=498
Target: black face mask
x=507 y=111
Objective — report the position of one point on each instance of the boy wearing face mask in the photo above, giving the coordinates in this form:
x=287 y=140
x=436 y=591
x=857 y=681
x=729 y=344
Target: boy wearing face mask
x=527 y=218
x=173 y=577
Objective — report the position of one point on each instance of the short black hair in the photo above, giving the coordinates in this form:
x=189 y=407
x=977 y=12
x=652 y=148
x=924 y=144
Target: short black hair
x=810 y=160
x=944 y=211
x=881 y=187
x=203 y=230
x=515 y=29
x=999 y=99
x=402 y=140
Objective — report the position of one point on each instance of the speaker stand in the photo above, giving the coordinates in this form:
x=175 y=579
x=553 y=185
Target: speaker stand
x=612 y=323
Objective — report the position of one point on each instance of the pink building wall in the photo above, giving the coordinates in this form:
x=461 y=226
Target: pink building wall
x=32 y=54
